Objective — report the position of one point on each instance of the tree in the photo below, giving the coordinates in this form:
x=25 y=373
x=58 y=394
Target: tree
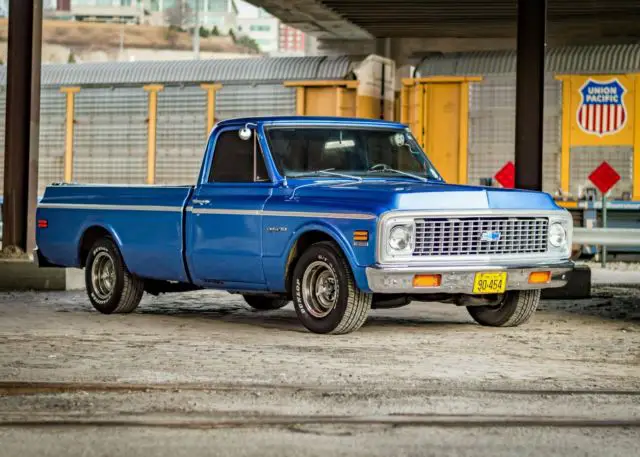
x=248 y=42
x=179 y=16
x=72 y=58
x=204 y=33
x=232 y=35
x=215 y=31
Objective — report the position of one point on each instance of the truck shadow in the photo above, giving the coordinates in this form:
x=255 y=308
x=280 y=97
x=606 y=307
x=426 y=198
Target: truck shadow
x=611 y=302
x=286 y=318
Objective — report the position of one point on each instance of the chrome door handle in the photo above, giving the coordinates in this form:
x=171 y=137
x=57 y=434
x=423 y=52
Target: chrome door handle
x=200 y=202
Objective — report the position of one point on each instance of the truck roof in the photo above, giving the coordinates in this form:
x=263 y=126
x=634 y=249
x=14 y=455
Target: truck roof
x=311 y=120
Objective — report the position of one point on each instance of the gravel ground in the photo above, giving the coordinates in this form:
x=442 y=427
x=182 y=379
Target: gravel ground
x=200 y=373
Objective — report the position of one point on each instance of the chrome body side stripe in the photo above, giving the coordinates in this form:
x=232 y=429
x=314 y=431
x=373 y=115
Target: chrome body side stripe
x=358 y=216
x=220 y=211
x=241 y=212
x=176 y=209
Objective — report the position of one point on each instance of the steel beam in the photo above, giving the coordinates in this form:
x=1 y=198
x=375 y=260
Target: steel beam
x=530 y=93
x=34 y=126
x=20 y=126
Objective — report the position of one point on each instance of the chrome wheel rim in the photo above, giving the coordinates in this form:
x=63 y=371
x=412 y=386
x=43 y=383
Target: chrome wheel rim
x=103 y=275
x=319 y=289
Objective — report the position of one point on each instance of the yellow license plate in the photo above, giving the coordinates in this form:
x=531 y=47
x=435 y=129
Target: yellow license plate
x=490 y=283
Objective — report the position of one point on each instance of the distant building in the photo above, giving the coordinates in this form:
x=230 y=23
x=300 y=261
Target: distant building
x=130 y=11
x=273 y=37
x=291 y=41
x=263 y=30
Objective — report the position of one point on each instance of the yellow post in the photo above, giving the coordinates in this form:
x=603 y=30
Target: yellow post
x=300 y=105
x=565 y=151
x=211 y=103
x=420 y=132
x=68 y=140
x=463 y=143
x=636 y=143
x=339 y=91
x=405 y=104
x=153 y=90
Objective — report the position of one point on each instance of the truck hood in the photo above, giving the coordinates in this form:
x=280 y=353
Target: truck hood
x=400 y=195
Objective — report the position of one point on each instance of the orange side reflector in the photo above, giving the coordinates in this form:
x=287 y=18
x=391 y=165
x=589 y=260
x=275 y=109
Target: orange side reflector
x=540 y=277
x=361 y=235
x=427 y=280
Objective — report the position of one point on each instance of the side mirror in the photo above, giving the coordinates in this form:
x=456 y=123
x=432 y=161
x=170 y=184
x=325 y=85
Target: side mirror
x=244 y=133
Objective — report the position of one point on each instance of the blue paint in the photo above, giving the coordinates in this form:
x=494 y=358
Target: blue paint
x=247 y=247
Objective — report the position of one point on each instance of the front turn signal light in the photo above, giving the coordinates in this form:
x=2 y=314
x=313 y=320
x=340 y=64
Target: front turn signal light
x=427 y=280
x=540 y=277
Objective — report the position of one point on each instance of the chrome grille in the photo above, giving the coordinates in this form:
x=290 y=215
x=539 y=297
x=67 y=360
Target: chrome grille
x=464 y=236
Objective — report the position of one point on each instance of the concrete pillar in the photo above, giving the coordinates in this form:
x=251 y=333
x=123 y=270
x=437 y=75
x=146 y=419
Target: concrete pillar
x=530 y=93
x=22 y=123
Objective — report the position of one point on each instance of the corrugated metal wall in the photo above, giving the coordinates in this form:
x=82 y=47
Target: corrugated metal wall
x=255 y=100
x=492 y=110
x=52 y=137
x=110 y=144
x=182 y=125
x=585 y=159
x=111 y=111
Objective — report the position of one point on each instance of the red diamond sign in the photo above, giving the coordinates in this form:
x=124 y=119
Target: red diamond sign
x=604 y=177
x=506 y=176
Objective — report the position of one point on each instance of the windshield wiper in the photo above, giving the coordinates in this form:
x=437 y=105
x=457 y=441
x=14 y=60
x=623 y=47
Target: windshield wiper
x=329 y=172
x=393 y=170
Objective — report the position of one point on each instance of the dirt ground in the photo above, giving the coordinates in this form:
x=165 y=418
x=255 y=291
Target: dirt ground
x=201 y=374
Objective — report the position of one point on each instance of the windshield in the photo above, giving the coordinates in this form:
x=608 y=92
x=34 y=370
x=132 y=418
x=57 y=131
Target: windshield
x=361 y=152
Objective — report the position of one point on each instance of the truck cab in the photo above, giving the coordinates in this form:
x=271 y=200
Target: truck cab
x=338 y=215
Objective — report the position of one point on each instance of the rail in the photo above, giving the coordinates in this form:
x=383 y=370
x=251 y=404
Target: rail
x=606 y=236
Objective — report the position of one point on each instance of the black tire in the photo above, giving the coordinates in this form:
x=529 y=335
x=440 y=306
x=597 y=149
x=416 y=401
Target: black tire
x=262 y=303
x=350 y=306
x=123 y=292
x=516 y=308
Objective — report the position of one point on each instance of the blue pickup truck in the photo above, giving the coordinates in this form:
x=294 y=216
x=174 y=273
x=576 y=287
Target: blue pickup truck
x=338 y=215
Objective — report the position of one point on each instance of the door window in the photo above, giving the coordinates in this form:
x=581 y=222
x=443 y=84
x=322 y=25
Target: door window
x=233 y=160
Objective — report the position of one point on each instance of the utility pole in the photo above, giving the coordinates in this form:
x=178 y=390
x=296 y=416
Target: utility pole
x=121 y=53
x=196 y=30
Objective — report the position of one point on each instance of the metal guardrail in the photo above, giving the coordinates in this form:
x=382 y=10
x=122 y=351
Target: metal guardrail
x=606 y=236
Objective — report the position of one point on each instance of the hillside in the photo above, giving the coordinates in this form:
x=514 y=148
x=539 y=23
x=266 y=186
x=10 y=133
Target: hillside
x=102 y=37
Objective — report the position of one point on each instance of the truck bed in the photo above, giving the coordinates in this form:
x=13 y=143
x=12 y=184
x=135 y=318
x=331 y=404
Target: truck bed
x=147 y=223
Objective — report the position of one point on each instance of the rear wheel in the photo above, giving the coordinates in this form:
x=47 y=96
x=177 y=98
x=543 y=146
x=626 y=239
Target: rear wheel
x=515 y=308
x=262 y=303
x=110 y=286
x=325 y=296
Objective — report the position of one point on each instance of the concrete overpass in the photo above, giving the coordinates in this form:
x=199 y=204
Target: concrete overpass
x=406 y=28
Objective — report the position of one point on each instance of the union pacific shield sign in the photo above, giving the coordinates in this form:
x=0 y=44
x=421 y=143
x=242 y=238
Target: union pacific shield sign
x=602 y=110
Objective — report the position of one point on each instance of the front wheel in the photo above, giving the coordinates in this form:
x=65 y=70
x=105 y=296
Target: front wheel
x=515 y=308
x=325 y=296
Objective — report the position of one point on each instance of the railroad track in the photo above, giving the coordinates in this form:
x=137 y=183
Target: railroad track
x=296 y=422
x=12 y=388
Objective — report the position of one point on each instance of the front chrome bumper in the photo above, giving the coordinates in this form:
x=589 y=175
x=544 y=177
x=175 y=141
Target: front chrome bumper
x=458 y=279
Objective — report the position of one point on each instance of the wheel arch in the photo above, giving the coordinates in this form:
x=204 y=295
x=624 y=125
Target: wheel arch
x=309 y=235
x=92 y=234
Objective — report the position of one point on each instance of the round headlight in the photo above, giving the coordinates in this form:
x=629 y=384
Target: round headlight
x=399 y=238
x=557 y=235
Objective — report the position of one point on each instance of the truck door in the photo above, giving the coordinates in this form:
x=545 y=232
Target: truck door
x=224 y=234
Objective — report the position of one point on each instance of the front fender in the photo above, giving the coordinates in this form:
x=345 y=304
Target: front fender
x=276 y=267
